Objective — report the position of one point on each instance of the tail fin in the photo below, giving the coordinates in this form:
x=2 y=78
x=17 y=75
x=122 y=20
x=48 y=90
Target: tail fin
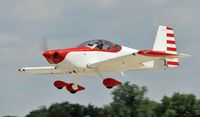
x=165 y=41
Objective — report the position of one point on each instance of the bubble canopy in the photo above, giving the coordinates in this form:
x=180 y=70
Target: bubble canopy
x=100 y=44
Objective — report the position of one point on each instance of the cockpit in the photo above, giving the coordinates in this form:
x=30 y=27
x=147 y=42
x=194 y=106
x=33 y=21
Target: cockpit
x=101 y=45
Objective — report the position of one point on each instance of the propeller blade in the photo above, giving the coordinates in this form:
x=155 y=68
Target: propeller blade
x=44 y=45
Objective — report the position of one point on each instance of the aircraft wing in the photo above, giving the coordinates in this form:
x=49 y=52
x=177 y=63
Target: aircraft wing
x=132 y=61
x=41 y=70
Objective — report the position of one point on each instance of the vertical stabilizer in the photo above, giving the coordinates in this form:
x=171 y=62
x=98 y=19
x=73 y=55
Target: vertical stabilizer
x=165 y=41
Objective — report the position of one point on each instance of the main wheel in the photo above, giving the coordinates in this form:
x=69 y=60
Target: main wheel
x=109 y=87
x=59 y=88
x=59 y=84
x=72 y=92
x=110 y=83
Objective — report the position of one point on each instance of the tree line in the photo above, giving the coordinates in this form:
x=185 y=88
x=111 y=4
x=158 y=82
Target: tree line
x=128 y=101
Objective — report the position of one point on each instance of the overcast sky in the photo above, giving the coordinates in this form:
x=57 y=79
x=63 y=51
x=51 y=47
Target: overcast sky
x=67 y=23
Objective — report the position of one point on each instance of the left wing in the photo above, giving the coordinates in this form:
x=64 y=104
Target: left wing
x=41 y=70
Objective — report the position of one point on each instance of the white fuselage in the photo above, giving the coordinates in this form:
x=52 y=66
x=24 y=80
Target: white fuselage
x=78 y=61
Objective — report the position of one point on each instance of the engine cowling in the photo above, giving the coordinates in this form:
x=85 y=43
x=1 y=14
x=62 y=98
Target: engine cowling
x=55 y=56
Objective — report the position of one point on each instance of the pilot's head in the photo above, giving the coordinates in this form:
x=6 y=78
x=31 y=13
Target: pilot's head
x=100 y=44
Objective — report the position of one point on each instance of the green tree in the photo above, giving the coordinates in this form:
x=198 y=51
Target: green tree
x=197 y=108
x=129 y=101
x=9 y=116
x=41 y=112
x=120 y=109
x=107 y=111
x=148 y=108
x=169 y=113
x=66 y=110
x=92 y=111
x=180 y=105
x=59 y=110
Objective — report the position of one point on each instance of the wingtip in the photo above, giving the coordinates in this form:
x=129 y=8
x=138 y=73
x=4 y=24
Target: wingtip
x=185 y=55
x=21 y=70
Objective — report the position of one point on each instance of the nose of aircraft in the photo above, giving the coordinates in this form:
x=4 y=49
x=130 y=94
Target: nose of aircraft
x=55 y=56
x=47 y=54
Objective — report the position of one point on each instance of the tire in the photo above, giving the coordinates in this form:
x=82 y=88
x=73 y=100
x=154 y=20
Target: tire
x=109 y=87
x=72 y=92
x=59 y=88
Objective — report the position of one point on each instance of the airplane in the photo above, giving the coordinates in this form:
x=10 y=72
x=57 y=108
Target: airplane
x=96 y=57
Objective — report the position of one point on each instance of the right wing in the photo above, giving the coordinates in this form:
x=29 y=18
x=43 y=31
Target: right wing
x=136 y=61
x=132 y=61
x=41 y=70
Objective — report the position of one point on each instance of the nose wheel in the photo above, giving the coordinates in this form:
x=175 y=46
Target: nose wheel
x=71 y=87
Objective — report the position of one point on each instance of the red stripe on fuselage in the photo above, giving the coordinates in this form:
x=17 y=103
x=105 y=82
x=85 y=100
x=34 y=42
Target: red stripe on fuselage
x=153 y=53
x=63 y=53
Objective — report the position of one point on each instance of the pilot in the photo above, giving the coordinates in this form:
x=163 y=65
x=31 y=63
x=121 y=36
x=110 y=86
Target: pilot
x=99 y=44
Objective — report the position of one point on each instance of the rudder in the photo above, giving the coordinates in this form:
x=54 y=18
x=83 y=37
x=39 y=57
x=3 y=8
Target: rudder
x=165 y=41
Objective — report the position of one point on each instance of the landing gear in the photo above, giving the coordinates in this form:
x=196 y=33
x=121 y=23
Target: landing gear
x=59 y=84
x=109 y=87
x=71 y=87
x=72 y=92
x=110 y=83
x=59 y=87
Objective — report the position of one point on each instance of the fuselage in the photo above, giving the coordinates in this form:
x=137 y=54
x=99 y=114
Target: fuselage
x=76 y=60
x=83 y=58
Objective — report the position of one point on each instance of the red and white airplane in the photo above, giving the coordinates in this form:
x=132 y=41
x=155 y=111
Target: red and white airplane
x=97 y=56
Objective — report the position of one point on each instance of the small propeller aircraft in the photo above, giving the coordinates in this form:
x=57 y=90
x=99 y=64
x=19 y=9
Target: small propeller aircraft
x=98 y=56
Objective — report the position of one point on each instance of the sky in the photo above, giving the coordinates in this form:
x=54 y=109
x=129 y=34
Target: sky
x=67 y=23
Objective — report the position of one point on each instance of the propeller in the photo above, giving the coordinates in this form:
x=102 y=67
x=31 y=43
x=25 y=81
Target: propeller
x=52 y=56
x=55 y=57
x=43 y=45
